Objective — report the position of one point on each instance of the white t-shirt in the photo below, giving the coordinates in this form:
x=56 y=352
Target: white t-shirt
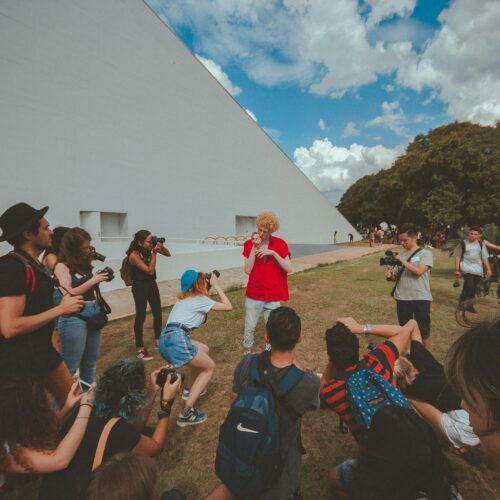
x=191 y=312
x=472 y=263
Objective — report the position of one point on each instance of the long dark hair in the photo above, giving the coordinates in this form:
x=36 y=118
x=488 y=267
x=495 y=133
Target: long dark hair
x=26 y=418
x=70 y=253
x=139 y=237
x=402 y=458
x=57 y=236
x=125 y=475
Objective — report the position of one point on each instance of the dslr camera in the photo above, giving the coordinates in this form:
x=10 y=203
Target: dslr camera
x=161 y=378
x=389 y=259
x=97 y=256
x=157 y=239
x=208 y=276
x=111 y=273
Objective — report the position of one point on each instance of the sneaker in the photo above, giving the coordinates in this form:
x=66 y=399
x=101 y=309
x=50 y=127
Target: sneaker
x=194 y=417
x=185 y=393
x=144 y=355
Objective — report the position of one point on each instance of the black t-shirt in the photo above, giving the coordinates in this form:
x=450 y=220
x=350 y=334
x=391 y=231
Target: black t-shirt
x=139 y=276
x=70 y=483
x=33 y=351
x=430 y=385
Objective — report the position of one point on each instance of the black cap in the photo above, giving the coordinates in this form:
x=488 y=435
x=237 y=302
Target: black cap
x=17 y=218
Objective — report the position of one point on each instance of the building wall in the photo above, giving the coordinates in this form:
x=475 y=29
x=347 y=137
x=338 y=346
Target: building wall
x=103 y=109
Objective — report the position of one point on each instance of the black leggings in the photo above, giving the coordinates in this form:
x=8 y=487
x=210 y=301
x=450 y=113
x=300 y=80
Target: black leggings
x=143 y=293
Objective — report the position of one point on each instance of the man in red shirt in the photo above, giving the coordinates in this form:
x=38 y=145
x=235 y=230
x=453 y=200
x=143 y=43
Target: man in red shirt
x=267 y=262
x=343 y=351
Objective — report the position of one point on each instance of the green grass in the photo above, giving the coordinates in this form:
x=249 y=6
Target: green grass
x=352 y=288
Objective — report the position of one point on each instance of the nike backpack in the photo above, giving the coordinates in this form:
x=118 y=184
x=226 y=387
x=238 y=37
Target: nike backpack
x=368 y=391
x=248 y=459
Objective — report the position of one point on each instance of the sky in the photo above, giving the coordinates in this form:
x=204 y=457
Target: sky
x=342 y=86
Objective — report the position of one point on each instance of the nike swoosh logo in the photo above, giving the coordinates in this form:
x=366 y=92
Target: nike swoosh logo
x=244 y=429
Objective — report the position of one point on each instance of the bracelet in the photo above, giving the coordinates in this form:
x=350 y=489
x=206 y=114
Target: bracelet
x=167 y=405
x=367 y=329
x=86 y=404
x=164 y=413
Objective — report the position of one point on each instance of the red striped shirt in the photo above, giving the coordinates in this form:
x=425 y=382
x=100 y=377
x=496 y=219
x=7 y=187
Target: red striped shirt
x=381 y=360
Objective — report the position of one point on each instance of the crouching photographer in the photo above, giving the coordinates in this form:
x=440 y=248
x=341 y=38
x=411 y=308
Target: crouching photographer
x=81 y=333
x=410 y=272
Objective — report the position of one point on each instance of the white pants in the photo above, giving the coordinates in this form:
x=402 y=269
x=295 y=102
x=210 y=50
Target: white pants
x=253 y=310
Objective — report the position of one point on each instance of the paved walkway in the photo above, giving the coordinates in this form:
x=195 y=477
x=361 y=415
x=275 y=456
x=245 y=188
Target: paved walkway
x=122 y=303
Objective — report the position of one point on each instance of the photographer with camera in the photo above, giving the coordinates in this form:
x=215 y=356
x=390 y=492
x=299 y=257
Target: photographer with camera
x=27 y=311
x=124 y=398
x=80 y=337
x=140 y=263
x=176 y=346
x=412 y=291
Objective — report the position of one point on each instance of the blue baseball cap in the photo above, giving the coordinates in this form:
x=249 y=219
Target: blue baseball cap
x=188 y=279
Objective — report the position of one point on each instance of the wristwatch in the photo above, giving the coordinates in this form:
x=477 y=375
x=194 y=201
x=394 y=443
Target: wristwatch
x=165 y=409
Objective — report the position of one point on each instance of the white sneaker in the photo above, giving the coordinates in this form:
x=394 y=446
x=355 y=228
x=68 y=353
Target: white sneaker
x=185 y=393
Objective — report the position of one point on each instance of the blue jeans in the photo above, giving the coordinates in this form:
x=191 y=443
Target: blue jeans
x=176 y=347
x=79 y=345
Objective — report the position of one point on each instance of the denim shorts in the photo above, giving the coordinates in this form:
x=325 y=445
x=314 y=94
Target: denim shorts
x=175 y=346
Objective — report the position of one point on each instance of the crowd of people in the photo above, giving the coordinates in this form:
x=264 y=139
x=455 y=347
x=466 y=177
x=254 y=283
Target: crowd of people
x=90 y=439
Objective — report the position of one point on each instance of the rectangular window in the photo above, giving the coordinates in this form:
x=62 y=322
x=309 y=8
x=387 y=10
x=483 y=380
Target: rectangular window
x=245 y=225
x=113 y=224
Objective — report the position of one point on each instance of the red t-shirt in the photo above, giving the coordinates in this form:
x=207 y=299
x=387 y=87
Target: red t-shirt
x=381 y=360
x=267 y=281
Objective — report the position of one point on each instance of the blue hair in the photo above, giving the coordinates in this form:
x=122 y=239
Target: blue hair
x=121 y=390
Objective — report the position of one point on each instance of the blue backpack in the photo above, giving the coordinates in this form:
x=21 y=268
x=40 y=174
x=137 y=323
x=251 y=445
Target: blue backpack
x=248 y=459
x=368 y=391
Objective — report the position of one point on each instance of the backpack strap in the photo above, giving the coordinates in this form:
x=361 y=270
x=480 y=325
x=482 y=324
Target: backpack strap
x=462 y=245
x=400 y=273
x=101 y=445
x=30 y=276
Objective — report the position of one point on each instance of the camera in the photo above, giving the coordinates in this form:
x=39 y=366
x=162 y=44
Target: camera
x=209 y=275
x=111 y=273
x=389 y=259
x=96 y=255
x=456 y=283
x=157 y=239
x=161 y=378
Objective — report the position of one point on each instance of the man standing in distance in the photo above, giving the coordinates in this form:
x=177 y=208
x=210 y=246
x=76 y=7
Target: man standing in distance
x=267 y=262
x=27 y=311
x=412 y=289
x=470 y=257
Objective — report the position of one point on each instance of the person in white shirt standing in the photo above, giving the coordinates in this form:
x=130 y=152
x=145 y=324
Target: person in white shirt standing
x=471 y=262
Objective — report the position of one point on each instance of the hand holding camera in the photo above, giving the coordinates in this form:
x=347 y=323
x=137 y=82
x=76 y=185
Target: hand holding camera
x=106 y=274
x=168 y=381
x=211 y=278
x=256 y=240
x=71 y=304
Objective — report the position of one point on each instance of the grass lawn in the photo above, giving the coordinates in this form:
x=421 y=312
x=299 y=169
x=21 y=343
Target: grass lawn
x=354 y=288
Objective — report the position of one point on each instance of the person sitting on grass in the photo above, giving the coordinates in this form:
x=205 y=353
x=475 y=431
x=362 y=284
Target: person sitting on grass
x=122 y=397
x=283 y=332
x=342 y=345
x=472 y=368
x=402 y=460
x=29 y=427
x=176 y=346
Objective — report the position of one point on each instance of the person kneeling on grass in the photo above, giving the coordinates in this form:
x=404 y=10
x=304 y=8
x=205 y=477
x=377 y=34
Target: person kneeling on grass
x=176 y=346
x=402 y=460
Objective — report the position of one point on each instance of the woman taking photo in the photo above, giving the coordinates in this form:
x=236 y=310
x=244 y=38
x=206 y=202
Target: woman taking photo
x=29 y=428
x=141 y=255
x=79 y=343
x=123 y=403
x=176 y=346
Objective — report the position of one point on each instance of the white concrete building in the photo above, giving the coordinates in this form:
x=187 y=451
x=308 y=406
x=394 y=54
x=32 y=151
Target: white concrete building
x=108 y=118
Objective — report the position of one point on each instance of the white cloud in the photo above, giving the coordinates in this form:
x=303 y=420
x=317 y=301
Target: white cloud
x=333 y=169
x=384 y=9
x=252 y=114
x=220 y=75
x=462 y=63
x=392 y=118
x=321 y=124
x=350 y=130
x=389 y=88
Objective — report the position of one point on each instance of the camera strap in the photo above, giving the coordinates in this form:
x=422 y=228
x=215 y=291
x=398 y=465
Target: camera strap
x=401 y=271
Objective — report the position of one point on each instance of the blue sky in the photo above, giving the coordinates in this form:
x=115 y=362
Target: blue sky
x=342 y=86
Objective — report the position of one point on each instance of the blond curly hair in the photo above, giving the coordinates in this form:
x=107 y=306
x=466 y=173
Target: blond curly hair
x=404 y=372
x=268 y=221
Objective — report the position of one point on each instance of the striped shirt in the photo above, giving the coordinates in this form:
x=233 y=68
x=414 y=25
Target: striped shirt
x=381 y=360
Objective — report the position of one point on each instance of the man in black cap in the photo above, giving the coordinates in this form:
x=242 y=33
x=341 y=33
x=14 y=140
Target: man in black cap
x=27 y=311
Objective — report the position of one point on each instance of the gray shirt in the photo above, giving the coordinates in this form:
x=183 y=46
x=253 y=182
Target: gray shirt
x=304 y=396
x=411 y=286
x=472 y=262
